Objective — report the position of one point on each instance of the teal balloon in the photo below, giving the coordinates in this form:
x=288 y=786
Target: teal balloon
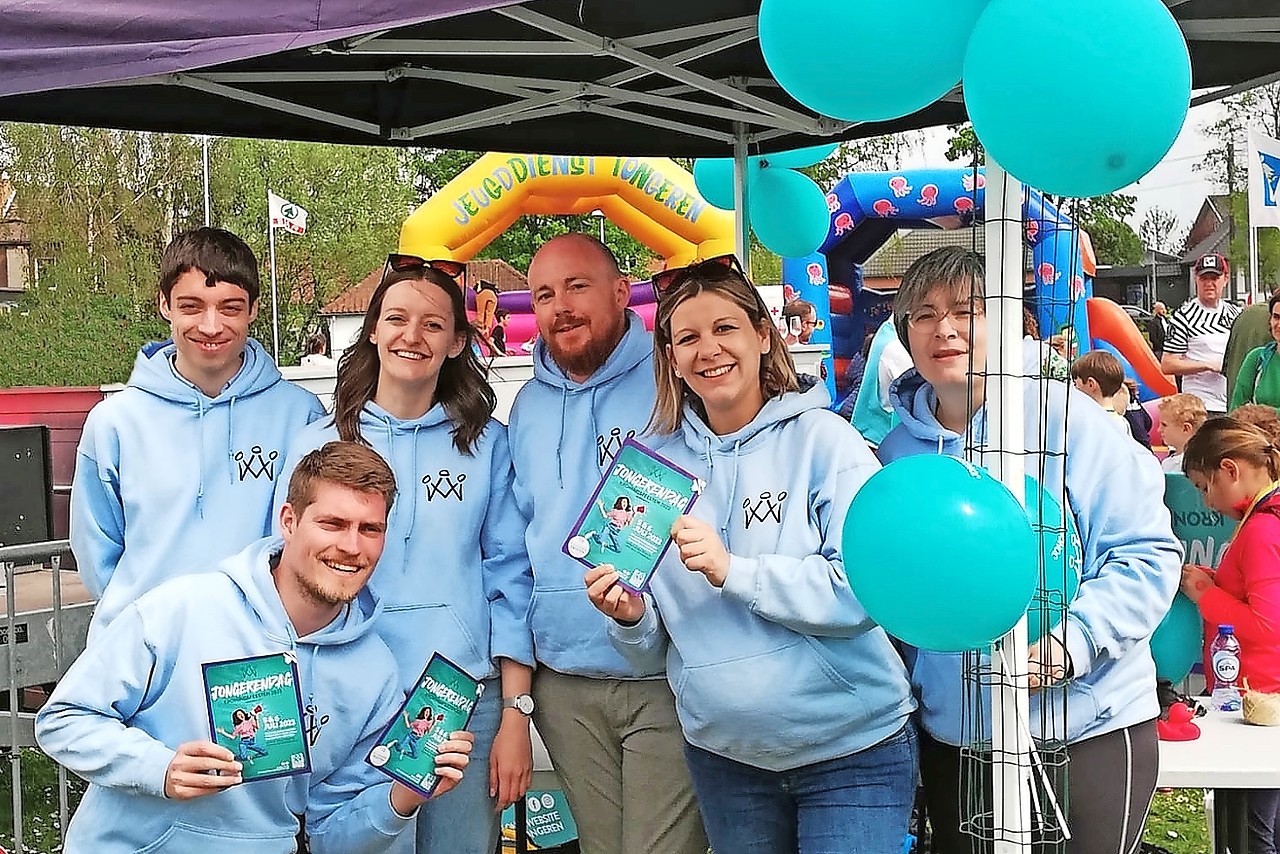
x=959 y=588
x=800 y=158
x=1078 y=98
x=788 y=212
x=713 y=176
x=1061 y=556
x=867 y=60
x=1177 y=642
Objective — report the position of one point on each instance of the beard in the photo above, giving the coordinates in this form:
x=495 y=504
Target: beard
x=585 y=360
x=329 y=594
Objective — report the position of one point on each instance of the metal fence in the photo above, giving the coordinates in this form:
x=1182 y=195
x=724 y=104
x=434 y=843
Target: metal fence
x=40 y=638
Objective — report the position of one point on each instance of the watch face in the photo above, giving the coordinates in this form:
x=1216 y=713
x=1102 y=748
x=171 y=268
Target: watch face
x=524 y=704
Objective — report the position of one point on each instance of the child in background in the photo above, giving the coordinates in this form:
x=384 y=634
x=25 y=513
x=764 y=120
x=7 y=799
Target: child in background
x=1100 y=376
x=1180 y=417
x=498 y=334
x=1236 y=467
x=1131 y=409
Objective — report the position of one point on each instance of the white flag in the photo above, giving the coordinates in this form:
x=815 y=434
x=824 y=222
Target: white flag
x=285 y=214
x=1264 y=180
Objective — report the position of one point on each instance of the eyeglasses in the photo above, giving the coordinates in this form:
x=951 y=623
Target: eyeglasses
x=667 y=280
x=928 y=318
x=397 y=263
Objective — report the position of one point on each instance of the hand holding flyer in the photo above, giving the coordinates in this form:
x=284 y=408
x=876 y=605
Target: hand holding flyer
x=255 y=710
x=627 y=523
x=441 y=703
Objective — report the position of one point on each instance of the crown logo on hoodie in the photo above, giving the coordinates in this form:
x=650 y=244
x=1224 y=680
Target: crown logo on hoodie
x=444 y=485
x=607 y=447
x=256 y=464
x=763 y=508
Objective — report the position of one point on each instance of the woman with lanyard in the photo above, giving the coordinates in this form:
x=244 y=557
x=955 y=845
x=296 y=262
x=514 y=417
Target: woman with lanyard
x=454 y=576
x=1236 y=467
x=1259 y=377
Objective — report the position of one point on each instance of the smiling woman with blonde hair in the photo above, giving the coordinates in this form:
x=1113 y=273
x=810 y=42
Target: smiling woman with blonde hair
x=762 y=638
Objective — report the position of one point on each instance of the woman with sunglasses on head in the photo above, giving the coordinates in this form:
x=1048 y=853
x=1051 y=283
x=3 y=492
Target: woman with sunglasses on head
x=1236 y=467
x=794 y=706
x=453 y=576
x=1091 y=675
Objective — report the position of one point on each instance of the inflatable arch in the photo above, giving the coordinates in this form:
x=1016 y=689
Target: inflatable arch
x=867 y=208
x=654 y=199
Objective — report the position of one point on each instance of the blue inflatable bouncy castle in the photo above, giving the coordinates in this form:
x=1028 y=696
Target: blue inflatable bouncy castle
x=867 y=208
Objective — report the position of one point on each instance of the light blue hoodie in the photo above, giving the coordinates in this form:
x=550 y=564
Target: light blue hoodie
x=1131 y=567
x=137 y=693
x=781 y=667
x=563 y=436
x=169 y=480
x=453 y=575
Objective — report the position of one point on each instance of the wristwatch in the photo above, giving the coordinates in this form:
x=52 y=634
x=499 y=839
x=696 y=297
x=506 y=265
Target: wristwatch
x=522 y=703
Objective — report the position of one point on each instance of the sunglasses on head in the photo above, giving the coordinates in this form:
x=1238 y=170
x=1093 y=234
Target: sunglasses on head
x=397 y=263
x=667 y=280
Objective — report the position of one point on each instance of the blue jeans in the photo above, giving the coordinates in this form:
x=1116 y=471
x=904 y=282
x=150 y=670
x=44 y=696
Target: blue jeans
x=857 y=804
x=464 y=821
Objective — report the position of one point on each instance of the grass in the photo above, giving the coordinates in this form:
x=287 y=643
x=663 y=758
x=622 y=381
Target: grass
x=40 y=832
x=1176 y=823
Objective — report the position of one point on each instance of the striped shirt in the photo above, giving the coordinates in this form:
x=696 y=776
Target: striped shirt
x=1200 y=333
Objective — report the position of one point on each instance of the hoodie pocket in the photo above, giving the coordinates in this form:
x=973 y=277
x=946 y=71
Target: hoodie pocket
x=185 y=839
x=415 y=631
x=565 y=622
x=768 y=705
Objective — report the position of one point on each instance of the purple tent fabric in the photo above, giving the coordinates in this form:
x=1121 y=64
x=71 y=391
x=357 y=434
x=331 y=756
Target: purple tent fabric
x=53 y=44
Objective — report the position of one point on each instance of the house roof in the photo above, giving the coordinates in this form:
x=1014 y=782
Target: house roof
x=1219 y=240
x=355 y=299
x=891 y=260
x=8 y=201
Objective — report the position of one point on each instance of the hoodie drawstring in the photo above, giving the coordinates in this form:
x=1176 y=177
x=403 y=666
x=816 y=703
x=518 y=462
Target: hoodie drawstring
x=733 y=488
x=231 y=438
x=564 y=409
x=200 y=458
x=416 y=483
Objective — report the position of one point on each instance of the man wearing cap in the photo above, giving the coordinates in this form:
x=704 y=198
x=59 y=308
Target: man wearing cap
x=1196 y=337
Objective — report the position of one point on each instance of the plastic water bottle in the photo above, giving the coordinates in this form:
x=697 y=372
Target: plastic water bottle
x=1224 y=656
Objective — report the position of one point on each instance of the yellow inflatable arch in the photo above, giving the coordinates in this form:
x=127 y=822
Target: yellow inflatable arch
x=654 y=199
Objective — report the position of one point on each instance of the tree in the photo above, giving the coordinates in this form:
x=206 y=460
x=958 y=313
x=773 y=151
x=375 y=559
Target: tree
x=1103 y=217
x=1161 y=230
x=964 y=145
x=1226 y=165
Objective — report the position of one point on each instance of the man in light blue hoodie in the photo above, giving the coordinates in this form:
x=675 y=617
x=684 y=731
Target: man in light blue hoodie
x=130 y=716
x=179 y=468
x=1092 y=677
x=593 y=387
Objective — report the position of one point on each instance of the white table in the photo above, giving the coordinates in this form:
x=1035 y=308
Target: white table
x=1229 y=754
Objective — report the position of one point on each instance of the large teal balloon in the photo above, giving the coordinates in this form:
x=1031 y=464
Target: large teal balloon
x=1177 y=642
x=940 y=553
x=789 y=212
x=866 y=60
x=799 y=158
x=1062 y=557
x=1078 y=98
x=713 y=176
